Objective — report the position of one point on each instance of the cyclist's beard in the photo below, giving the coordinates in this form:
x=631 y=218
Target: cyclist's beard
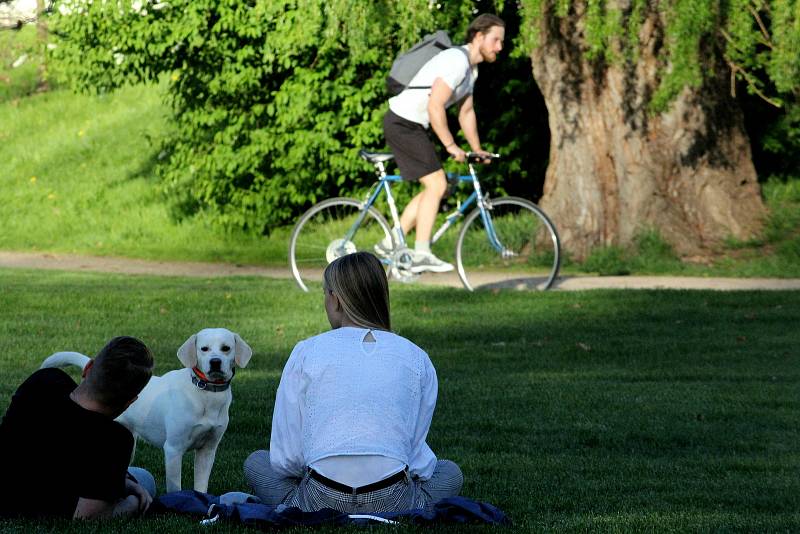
x=488 y=55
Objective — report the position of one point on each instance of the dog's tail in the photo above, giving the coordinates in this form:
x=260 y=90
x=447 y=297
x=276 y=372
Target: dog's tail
x=63 y=359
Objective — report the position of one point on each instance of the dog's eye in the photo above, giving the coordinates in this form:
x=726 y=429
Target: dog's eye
x=204 y=349
x=225 y=348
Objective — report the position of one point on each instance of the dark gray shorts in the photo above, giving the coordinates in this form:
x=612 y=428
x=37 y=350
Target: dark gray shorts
x=411 y=145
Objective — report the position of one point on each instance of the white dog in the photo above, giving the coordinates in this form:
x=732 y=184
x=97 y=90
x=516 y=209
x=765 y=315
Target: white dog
x=186 y=409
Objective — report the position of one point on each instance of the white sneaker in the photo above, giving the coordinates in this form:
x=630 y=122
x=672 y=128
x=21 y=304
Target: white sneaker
x=426 y=261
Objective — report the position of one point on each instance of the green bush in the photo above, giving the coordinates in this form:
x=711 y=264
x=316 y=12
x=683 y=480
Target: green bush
x=782 y=228
x=648 y=253
x=271 y=99
x=607 y=261
x=650 y=244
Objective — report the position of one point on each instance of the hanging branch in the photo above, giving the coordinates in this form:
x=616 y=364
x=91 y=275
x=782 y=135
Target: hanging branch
x=767 y=41
x=750 y=82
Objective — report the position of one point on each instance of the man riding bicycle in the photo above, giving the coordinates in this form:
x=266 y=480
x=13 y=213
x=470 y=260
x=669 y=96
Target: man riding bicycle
x=451 y=76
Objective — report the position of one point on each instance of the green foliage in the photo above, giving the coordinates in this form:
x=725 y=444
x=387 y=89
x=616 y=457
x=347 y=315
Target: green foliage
x=783 y=64
x=648 y=253
x=607 y=261
x=271 y=98
x=651 y=246
x=748 y=47
x=776 y=134
x=758 y=39
x=782 y=228
x=688 y=23
x=773 y=255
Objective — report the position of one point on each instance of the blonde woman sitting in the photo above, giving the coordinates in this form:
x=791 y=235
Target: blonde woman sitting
x=353 y=409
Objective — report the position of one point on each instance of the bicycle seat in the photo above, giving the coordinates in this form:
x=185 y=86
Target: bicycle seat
x=376 y=157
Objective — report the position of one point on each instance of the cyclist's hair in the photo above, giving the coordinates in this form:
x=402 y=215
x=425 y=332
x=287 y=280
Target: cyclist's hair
x=121 y=369
x=482 y=24
x=360 y=282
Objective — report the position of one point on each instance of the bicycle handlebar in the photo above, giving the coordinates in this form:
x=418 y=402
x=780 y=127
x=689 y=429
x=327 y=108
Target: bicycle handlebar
x=474 y=157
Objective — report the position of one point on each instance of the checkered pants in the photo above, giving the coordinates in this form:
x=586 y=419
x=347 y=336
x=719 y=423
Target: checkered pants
x=310 y=495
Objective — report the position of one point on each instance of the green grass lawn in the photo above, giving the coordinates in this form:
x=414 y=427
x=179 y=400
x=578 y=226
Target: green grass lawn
x=571 y=411
x=76 y=175
x=21 y=49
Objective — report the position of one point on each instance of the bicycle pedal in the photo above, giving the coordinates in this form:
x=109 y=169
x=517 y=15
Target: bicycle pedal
x=402 y=259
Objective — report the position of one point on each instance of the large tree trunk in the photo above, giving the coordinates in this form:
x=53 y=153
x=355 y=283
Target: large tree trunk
x=616 y=169
x=41 y=37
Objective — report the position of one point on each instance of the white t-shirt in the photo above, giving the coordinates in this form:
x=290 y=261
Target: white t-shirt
x=453 y=67
x=341 y=396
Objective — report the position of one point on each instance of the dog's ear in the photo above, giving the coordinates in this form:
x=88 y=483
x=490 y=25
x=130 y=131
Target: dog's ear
x=187 y=354
x=243 y=351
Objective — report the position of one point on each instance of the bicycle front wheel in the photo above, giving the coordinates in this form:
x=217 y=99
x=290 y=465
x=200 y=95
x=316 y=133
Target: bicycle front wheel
x=329 y=230
x=515 y=245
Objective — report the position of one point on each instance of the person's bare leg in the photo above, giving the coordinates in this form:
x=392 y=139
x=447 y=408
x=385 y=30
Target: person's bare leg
x=408 y=219
x=426 y=206
x=435 y=185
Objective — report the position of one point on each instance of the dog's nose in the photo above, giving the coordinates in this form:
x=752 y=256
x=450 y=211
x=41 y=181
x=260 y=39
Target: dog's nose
x=216 y=364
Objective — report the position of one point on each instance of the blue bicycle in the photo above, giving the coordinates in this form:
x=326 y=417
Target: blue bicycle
x=504 y=242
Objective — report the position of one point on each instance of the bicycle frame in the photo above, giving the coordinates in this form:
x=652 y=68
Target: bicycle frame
x=383 y=184
x=515 y=251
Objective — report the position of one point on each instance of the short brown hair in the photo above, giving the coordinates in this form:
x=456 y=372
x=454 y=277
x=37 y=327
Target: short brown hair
x=120 y=371
x=482 y=24
x=358 y=279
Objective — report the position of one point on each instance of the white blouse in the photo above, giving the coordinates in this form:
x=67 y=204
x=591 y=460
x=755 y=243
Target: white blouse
x=342 y=396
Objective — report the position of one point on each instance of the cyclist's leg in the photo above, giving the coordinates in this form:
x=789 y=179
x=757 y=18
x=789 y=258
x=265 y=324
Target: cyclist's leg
x=415 y=155
x=423 y=208
x=408 y=219
x=427 y=206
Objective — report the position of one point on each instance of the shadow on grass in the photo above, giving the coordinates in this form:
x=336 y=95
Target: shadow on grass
x=643 y=402
x=146 y=169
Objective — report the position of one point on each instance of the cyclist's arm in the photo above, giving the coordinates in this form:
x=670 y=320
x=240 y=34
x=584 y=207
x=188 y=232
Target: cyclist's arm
x=469 y=124
x=440 y=94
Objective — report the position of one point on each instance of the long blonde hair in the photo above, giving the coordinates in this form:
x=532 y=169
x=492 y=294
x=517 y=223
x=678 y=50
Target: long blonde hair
x=360 y=282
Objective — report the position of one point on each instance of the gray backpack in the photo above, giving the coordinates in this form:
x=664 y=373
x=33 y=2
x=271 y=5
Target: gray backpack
x=406 y=66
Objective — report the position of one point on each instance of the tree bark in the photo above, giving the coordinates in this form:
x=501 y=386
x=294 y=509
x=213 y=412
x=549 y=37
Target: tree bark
x=41 y=37
x=616 y=169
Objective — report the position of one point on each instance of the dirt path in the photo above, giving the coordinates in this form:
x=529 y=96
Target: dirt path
x=69 y=262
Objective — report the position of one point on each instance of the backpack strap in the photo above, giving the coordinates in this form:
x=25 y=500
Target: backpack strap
x=469 y=67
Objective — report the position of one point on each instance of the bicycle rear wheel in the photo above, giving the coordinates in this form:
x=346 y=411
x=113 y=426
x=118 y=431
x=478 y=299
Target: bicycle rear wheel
x=526 y=253
x=320 y=236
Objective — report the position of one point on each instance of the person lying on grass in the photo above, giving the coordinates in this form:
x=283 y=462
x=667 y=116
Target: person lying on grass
x=64 y=454
x=353 y=410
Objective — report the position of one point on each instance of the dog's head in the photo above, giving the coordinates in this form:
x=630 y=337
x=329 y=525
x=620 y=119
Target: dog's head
x=215 y=352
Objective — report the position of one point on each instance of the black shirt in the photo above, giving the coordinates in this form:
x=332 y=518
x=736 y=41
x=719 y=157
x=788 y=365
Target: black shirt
x=55 y=451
